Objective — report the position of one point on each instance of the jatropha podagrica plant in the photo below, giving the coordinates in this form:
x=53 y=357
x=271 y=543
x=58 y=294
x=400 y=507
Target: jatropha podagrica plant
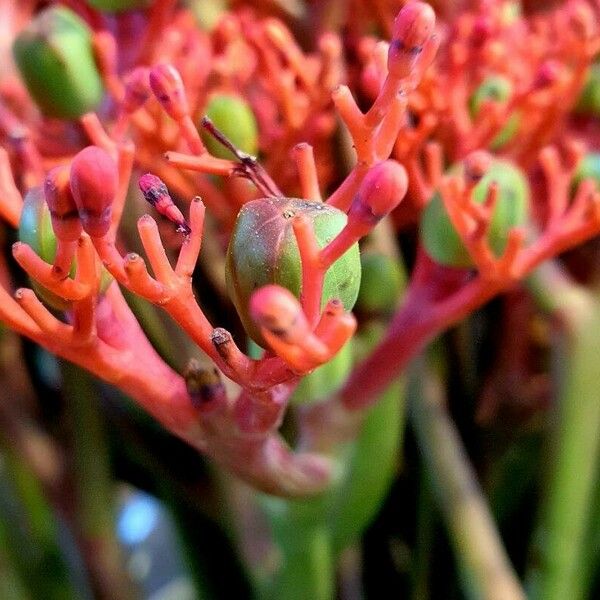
x=292 y=263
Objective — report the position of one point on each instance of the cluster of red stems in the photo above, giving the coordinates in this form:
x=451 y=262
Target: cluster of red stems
x=418 y=118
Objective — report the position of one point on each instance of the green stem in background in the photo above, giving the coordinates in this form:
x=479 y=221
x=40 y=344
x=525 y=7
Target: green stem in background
x=30 y=532
x=575 y=444
x=426 y=522
x=11 y=583
x=305 y=563
x=94 y=486
x=485 y=568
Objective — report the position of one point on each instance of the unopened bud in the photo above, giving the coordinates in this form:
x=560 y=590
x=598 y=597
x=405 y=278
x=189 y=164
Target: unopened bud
x=380 y=192
x=167 y=86
x=94 y=183
x=413 y=27
x=476 y=165
x=137 y=89
x=63 y=210
x=55 y=58
x=156 y=193
x=278 y=310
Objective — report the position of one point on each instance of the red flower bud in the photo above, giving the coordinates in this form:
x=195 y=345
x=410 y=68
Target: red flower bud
x=167 y=86
x=137 y=89
x=413 y=27
x=380 y=192
x=156 y=193
x=278 y=310
x=63 y=210
x=94 y=183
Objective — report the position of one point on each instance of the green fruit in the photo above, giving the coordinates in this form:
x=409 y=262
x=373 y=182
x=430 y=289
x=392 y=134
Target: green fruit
x=589 y=100
x=588 y=168
x=499 y=89
x=55 y=58
x=233 y=117
x=117 y=5
x=382 y=281
x=263 y=251
x=35 y=229
x=438 y=235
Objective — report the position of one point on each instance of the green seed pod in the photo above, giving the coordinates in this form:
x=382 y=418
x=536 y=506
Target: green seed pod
x=117 y=6
x=263 y=251
x=55 y=58
x=499 y=89
x=35 y=229
x=233 y=117
x=382 y=280
x=589 y=100
x=588 y=168
x=439 y=237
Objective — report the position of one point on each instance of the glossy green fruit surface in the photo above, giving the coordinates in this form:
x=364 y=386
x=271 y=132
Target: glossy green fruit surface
x=263 y=250
x=55 y=58
x=438 y=235
x=233 y=117
x=382 y=281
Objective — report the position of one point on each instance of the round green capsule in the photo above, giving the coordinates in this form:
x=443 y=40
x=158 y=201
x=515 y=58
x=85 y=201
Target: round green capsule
x=116 y=6
x=55 y=59
x=263 y=251
x=499 y=89
x=35 y=229
x=233 y=117
x=438 y=235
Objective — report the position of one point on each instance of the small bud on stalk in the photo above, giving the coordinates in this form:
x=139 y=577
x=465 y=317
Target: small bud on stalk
x=137 y=89
x=63 y=209
x=167 y=86
x=156 y=193
x=55 y=58
x=413 y=27
x=94 y=184
x=36 y=230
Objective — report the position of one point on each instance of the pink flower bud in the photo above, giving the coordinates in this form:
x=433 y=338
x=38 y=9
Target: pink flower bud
x=278 y=310
x=156 y=193
x=137 y=89
x=413 y=27
x=380 y=192
x=477 y=165
x=94 y=183
x=63 y=210
x=167 y=86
